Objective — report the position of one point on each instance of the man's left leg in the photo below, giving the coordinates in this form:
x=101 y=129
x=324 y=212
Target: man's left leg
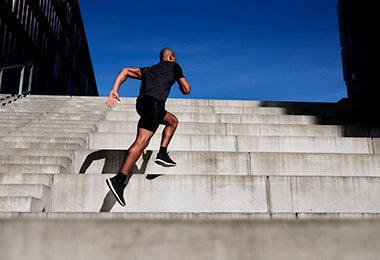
x=117 y=183
x=170 y=121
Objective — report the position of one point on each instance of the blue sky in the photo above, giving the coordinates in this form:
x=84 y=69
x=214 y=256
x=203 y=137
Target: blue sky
x=283 y=50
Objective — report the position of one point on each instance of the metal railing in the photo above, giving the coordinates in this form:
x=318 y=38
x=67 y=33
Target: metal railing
x=24 y=68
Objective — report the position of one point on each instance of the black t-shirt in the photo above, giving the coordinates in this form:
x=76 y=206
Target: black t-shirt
x=157 y=80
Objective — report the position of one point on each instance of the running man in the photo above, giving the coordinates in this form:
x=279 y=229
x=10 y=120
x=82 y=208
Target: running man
x=156 y=82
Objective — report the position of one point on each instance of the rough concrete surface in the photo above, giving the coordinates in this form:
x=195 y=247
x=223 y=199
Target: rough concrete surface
x=185 y=239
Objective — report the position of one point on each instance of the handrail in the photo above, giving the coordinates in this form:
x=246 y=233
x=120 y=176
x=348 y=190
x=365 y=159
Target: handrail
x=16 y=66
x=21 y=92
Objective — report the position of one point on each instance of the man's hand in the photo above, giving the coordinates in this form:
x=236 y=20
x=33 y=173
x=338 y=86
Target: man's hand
x=113 y=97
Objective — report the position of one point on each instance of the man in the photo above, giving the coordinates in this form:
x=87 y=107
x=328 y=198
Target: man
x=156 y=82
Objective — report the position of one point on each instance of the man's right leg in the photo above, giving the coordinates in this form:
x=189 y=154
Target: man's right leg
x=170 y=121
x=117 y=183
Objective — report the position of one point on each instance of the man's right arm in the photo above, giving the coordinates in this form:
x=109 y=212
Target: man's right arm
x=125 y=73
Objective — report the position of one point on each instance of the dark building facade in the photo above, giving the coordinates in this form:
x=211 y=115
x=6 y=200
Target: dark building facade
x=359 y=26
x=50 y=35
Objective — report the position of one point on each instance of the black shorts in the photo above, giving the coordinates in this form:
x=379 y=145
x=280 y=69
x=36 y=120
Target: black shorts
x=151 y=111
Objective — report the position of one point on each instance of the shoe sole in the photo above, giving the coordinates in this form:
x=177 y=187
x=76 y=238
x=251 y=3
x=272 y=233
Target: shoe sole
x=109 y=184
x=163 y=163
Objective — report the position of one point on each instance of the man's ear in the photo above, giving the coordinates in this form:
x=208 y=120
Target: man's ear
x=171 y=58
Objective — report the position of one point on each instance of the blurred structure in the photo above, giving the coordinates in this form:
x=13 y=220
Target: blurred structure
x=359 y=25
x=48 y=35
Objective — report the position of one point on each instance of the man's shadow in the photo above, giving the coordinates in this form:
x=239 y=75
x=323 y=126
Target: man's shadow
x=113 y=160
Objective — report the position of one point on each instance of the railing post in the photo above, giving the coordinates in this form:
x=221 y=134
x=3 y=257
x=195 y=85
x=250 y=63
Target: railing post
x=21 y=81
x=30 y=79
x=1 y=78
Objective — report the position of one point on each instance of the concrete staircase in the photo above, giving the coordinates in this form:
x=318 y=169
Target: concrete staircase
x=256 y=164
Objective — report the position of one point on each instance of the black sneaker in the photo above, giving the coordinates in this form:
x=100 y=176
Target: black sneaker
x=117 y=187
x=164 y=160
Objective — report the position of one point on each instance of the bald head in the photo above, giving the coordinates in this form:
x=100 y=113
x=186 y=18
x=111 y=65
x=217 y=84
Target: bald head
x=167 y=54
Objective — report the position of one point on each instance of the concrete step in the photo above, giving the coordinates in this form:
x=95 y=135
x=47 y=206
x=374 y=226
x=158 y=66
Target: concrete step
x=192 y=142
x=114 y=127
x=325 y=113
x=53 y=99
x=20 y=204
x=13 y=121
x=140 y=196
x=239 y=103
x=35 y=114
x=35 y=159
x=238 y=194
x=73 y=116
x=206 y=105
x=60 y=108
x=30 y=116
x=127 y=101
x=132 y=116
x=24 y=190
x=50 y=126
x=363 y=113
x=80 y=135
x=235 y=163
x=26 y=109
x=211 y=109
x=198 y=216
x=50 y=105
x=79 y=109
x=174 y=108
x=56 y=108
x=33 y=168
x=8 y=178
x=295 y=117
x=37 y=152
x=237 y=106
x=54 y=129
x=307 y=144
x=160 y=239
x=10 y=128
x=61 y=123
x=44 y=139
x=39 y=145
x=67 y=120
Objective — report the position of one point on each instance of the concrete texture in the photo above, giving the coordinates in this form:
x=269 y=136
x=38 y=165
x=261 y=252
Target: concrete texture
x=241 y=143
x=36 y=168
x=169 y=193
x=197 y=193
x=20 y=204
x=236 y=163
x=132 y=116
x=234 y=129
x=206 y=163
x=324 y=194
x=30 y=159
x=177 y=239
x=37 y=178
x=199 y=216
x=315 y=164
x=245 y=157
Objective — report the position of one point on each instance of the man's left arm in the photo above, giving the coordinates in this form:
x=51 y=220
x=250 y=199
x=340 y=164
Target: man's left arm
x=184 y=85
